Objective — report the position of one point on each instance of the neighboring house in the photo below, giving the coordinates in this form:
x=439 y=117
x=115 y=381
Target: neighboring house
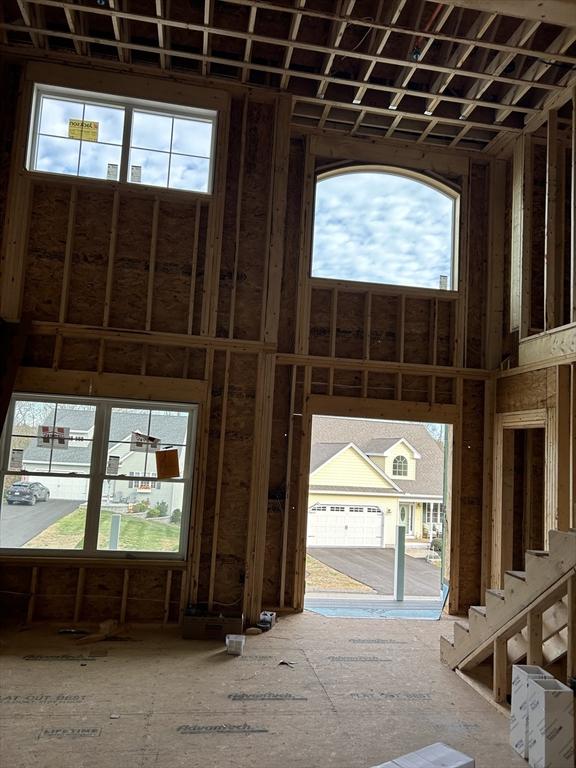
x=171 y=430
x=379 y=475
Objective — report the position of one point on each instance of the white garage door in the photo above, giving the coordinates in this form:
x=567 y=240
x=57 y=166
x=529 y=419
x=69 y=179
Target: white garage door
x=345 y=526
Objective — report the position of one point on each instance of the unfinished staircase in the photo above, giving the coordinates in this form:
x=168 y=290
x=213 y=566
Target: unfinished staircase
x=532 y=620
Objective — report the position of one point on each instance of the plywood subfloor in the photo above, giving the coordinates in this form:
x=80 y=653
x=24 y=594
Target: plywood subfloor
x=360 y=693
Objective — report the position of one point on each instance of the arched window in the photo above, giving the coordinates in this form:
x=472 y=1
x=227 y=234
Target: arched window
x=384 y=225
x=400 y=466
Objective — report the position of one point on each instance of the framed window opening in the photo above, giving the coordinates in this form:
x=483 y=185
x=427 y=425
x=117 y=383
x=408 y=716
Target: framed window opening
x=86 y=454
x=99 y=136
x=385 y=225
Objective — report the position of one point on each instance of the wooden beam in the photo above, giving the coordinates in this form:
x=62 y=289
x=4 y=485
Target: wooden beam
x=535 y=71
x=559 y=12
x=572 y=316
x=91 y=384
x=552 y=259
x=522 y=181
x=564 y=440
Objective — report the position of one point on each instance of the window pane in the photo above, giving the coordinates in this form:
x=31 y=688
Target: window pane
x=148 y=168
x=140 y=522
x=55 y=115
x=41 y=512
x=192 y=137
x=190 y=173
x=57 y=155
x=150 y=131
x=110 y=122
x=100 y=161
x=52 y=438
x=381 y=227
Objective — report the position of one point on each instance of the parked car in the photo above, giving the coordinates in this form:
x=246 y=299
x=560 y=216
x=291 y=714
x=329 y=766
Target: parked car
x=27 y=493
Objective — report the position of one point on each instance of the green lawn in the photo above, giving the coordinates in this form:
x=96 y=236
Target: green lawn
x=135 y=534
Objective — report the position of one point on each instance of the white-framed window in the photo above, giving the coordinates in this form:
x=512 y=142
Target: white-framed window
x=385 y=225
x=78 y=459
x=432 y=513
x=99 y=136
x=400 y=466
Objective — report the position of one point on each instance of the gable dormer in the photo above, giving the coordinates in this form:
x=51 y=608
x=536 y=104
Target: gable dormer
x=399 y=461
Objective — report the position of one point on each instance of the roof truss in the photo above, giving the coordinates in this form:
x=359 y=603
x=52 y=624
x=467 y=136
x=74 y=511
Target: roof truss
x=448 y=73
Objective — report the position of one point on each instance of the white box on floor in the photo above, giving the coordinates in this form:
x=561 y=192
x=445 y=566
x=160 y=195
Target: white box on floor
x=521 y=674
x=550 y=724
x=437 y=755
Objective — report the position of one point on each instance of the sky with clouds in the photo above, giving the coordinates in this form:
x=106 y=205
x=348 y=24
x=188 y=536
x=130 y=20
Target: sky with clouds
x=171 y=152
x=382 y=228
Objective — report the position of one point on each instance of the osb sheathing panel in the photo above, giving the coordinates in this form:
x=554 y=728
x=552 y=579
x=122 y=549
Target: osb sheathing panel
x=417 y=341
x=102 y=594
x=146 y=594
x=469 y=547
x=39 y=351
x=415 y=388
x=477 y=263
x=381 y=385
x=211 y=475
x=10 y=79
x=294 y=202
x=91 y=243
x=383 y=328
x=350 y=325
x=230 y=242
x=236 y=476
x=131 y=263
x=320 y=322
x=526 y=391
x=79 y=355
x=55 y=593
x=254 y=221
x=14 y=590
x=444 y=389
x=277 y=484
x=320 y=381
x=348 y=383
x=165 y=361
x=173 y=269
x=123 y=358
x=46 y=246
x=444 y=341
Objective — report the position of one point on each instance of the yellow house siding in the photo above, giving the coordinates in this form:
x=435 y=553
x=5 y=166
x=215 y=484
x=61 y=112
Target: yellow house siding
x=348 y=468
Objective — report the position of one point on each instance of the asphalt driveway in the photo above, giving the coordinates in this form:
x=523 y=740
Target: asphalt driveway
x=375 y=567
x=20 y=523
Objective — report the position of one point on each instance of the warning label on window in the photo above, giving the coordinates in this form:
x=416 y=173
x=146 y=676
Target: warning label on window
x=87 y=130
x=53 y=437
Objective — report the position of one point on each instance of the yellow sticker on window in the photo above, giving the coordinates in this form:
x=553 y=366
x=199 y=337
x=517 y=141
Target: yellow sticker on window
x=87 y=130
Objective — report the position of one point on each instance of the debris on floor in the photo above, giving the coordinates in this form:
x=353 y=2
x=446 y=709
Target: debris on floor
x=437 y=755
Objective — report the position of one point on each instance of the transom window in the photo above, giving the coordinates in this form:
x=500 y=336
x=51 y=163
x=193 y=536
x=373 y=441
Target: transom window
x=78 y=460
x=400 y=466
x=77 y=133
x=379 y=225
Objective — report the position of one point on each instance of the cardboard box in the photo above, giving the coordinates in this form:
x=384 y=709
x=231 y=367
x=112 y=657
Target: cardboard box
x=211 y=627
x=437 y=755
x=521 y=674
x=550 y=724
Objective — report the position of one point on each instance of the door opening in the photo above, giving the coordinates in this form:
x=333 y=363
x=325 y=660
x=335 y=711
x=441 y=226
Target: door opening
x=367 y=477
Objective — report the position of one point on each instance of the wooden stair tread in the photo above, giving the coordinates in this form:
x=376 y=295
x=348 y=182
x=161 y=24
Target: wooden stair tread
x=521 y=575
x=497 y=593
x=481 y=609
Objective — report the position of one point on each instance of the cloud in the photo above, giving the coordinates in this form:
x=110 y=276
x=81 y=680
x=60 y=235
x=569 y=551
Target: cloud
x=382 y=228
